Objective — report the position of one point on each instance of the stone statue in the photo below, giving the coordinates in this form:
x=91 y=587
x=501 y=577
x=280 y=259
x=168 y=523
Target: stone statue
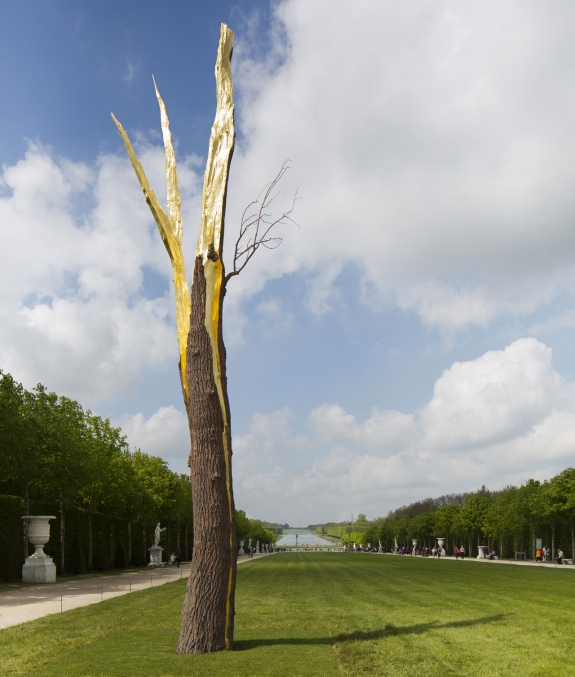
x=157 y=532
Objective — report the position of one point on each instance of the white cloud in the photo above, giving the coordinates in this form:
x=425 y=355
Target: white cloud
x=428 y=143
x=74 y=313
x=504 y=417
x=165 y=433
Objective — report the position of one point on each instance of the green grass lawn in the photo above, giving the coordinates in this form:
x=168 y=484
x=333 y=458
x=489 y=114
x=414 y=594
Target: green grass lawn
x=325 y=614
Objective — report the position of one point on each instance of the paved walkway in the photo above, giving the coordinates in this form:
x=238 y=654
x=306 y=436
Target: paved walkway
x=34 y=601
x=529 y=563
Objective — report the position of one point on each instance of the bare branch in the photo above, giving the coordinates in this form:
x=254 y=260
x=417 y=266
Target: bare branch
x=257 y=223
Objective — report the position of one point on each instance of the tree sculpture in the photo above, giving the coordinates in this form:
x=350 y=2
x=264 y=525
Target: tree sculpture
x=208 y=613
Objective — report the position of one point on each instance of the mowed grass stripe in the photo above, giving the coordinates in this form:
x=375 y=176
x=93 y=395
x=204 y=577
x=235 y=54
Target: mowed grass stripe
x=326 y=614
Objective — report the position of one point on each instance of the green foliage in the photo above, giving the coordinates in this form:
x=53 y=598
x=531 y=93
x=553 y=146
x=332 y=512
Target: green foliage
x=79 y=467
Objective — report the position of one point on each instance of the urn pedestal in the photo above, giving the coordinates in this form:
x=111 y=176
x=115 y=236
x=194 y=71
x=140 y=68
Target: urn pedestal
x=39 y=568
x=441 y=543
x=155 y=556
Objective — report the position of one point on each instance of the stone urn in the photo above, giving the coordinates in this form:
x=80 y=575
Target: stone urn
x=414 y=545
x=39 y=568
x=242 y=551
x=441 y=543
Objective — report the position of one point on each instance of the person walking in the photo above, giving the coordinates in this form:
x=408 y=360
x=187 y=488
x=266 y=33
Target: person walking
x=462 y=552
x=456 y=552
x=178 y=557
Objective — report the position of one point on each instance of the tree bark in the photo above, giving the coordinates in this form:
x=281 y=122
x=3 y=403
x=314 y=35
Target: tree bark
x=25 y=524
x=90 y=550
x=62 y=538
x=111 y=544
x=208 y=613
x=129 y=543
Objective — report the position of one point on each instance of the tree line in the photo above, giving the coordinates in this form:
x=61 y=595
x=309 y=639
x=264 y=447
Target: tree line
x=53 y=450
x=509 y=521
x=247 y=528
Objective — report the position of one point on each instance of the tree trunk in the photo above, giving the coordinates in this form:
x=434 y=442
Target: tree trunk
x=500 y=544
x=208 y=613
x=62 y=538
x=533 y=544
x=90 y=551
x=111 y=544
x=169 y=538
x=25 y=524
x=552 y=542
x=144 y=540
x=178 y=535
x=129 y=543
x=187 y=547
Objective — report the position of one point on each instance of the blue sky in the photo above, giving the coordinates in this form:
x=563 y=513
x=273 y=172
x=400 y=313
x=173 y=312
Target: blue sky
x=411 y=337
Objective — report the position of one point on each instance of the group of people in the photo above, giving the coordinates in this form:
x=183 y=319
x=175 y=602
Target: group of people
x=175 y=558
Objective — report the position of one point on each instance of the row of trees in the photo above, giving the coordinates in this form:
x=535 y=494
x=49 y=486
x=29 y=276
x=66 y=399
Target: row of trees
x=254 y=529
x=510 y=520
x=52 y=450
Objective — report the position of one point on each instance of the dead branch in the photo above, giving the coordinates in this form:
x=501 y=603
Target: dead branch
x=257 y=223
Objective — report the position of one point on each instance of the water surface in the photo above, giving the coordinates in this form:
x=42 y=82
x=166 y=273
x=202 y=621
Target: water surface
x=304 y=538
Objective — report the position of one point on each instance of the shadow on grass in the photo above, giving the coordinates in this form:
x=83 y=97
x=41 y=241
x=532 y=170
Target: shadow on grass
x=389 y=630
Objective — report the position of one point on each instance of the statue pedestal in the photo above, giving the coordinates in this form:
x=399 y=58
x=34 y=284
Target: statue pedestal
x=155 y=556
x=39 y=570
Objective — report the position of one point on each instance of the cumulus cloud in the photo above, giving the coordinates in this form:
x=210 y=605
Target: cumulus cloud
x=78 y=242
x=165 y=433
x=429 y=145
x=503 y=417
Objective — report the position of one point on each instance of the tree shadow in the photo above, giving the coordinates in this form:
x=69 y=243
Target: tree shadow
x=389 y=630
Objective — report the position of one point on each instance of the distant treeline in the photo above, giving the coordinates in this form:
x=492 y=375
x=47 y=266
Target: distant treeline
x=507 y=521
